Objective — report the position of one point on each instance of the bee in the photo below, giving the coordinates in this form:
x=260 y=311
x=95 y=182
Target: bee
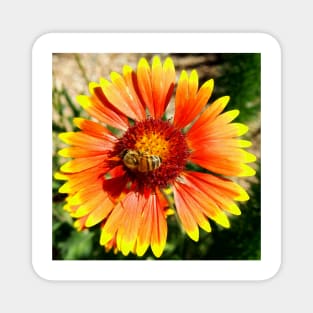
x=141 y=161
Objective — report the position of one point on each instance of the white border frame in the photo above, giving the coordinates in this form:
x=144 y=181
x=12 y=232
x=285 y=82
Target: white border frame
x=183 y=270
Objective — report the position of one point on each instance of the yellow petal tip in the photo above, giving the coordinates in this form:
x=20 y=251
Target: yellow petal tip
x=243 y=195
x=83 y=100
x=168 y=64
x=206 y=226
x=92 y=86
x=60 y=176
x=234 y=209
x=209 y=84
x=244 y=143
x=157 y=250
x=105 y=238
x=143 y=64
x=127 y=70
x=141 y=250
x=193 y=79
x=115 y=76
x=194 y=235
x=241 y=128
x=222 y=220
x=156 y=61
x=183 y=76
x=247 y=171
x=105 y=83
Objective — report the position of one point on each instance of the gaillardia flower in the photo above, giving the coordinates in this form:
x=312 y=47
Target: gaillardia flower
x=134 y=165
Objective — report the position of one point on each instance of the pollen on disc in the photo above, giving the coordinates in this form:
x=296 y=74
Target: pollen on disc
x=155 y=141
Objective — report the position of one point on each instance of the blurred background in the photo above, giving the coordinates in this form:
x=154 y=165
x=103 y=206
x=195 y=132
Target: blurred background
x=236 y=75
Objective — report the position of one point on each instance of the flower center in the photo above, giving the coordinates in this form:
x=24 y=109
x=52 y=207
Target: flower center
x=153 y=153
x=153 y=144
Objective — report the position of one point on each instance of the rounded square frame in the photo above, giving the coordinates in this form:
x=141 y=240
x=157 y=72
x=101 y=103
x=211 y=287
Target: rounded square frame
x=196 y=270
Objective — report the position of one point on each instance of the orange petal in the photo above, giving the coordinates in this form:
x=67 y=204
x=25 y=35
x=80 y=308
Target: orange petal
x=207 y=116
x=159 y=227
x=169 y=74
x=81 y=139
x=156 y=84
x=94 y=129
x=227 y=117
x=197 y=202
x=201 y=99
x=219 y=198
x=145 y=230
x=190 y=210
x=144 y=84
x=86 y=193
x=77 y=181
x=222 y=166
x=220 y=152
x=104 y=105
x=78 y=152
x=168 y=78
x=131 y=81
x=101 y=112
x=186 y=218
x=189 y=101
x=193 y=84
x=181 y=99
x=90 y=204
x=128 y=230
x=153 y=228
x=79 y=224
x=203 y=141
x=115 y=94
x=226 y=131
x=111 y=225
x=216 y=192
x=204 y=181
x=158 y=89
x=81 y=164
x=99 y=212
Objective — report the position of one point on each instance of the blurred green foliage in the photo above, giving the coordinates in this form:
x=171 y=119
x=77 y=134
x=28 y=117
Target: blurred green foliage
x=238 y=77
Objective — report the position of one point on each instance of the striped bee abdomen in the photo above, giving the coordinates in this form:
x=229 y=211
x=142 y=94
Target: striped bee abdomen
x=141 y=162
